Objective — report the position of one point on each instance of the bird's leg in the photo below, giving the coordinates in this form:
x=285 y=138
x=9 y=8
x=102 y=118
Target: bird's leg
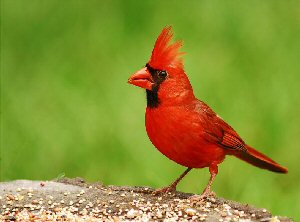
x=172 y=188
x=213 y=169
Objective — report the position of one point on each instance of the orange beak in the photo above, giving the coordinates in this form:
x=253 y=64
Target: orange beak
x=142 y=78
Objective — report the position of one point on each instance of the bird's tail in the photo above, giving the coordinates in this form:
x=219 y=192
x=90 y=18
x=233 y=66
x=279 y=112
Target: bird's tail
x=258 y=159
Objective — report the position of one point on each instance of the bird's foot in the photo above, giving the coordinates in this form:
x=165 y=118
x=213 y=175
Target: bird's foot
x=165 y=190
x=201 y=198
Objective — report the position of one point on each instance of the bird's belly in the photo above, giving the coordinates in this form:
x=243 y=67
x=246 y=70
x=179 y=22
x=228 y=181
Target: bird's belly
x=181 y=143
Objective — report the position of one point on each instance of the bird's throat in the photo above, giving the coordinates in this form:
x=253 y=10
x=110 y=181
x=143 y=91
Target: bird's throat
x=152 y=98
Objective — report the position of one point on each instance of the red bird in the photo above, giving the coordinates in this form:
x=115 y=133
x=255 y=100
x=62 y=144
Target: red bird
x=182 y=127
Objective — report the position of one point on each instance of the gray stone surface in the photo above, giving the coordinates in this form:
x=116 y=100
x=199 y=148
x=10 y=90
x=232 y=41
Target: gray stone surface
x=69 y=199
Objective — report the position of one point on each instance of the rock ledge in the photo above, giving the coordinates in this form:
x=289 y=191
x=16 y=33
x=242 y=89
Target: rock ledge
x=69 y=199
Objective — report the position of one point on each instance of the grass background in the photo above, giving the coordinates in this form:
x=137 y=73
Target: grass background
x=66 y=106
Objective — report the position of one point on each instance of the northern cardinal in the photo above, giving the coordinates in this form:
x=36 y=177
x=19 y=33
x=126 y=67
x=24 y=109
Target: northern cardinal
x=182 y=127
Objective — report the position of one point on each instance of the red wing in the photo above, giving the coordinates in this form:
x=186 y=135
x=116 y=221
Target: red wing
x=232 y=142
x=218 y=131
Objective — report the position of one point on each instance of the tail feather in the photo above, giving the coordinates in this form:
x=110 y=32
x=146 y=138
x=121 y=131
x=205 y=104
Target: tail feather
x=258 y=159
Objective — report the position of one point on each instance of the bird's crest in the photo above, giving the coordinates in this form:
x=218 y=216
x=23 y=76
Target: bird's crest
x=166 y=54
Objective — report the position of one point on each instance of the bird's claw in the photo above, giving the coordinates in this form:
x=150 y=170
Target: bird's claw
x=165 y=190
x=201 y=198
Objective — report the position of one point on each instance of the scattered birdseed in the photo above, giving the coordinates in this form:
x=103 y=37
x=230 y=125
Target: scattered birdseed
x=120 y=205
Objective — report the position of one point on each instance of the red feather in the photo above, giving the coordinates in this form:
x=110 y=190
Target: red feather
x=166 y=54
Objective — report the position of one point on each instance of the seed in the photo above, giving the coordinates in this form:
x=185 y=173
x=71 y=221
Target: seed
x=56 y=209
x=191 y=212
x=10 y=197
x=131 y=214
x=35 y=202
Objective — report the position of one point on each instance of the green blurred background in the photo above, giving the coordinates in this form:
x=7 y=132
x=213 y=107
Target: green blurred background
x=66 y=106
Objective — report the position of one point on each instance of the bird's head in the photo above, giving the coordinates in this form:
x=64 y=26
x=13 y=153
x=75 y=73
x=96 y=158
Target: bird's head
x=163 y=76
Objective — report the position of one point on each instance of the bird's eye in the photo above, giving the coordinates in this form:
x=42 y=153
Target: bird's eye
x=162 y=74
